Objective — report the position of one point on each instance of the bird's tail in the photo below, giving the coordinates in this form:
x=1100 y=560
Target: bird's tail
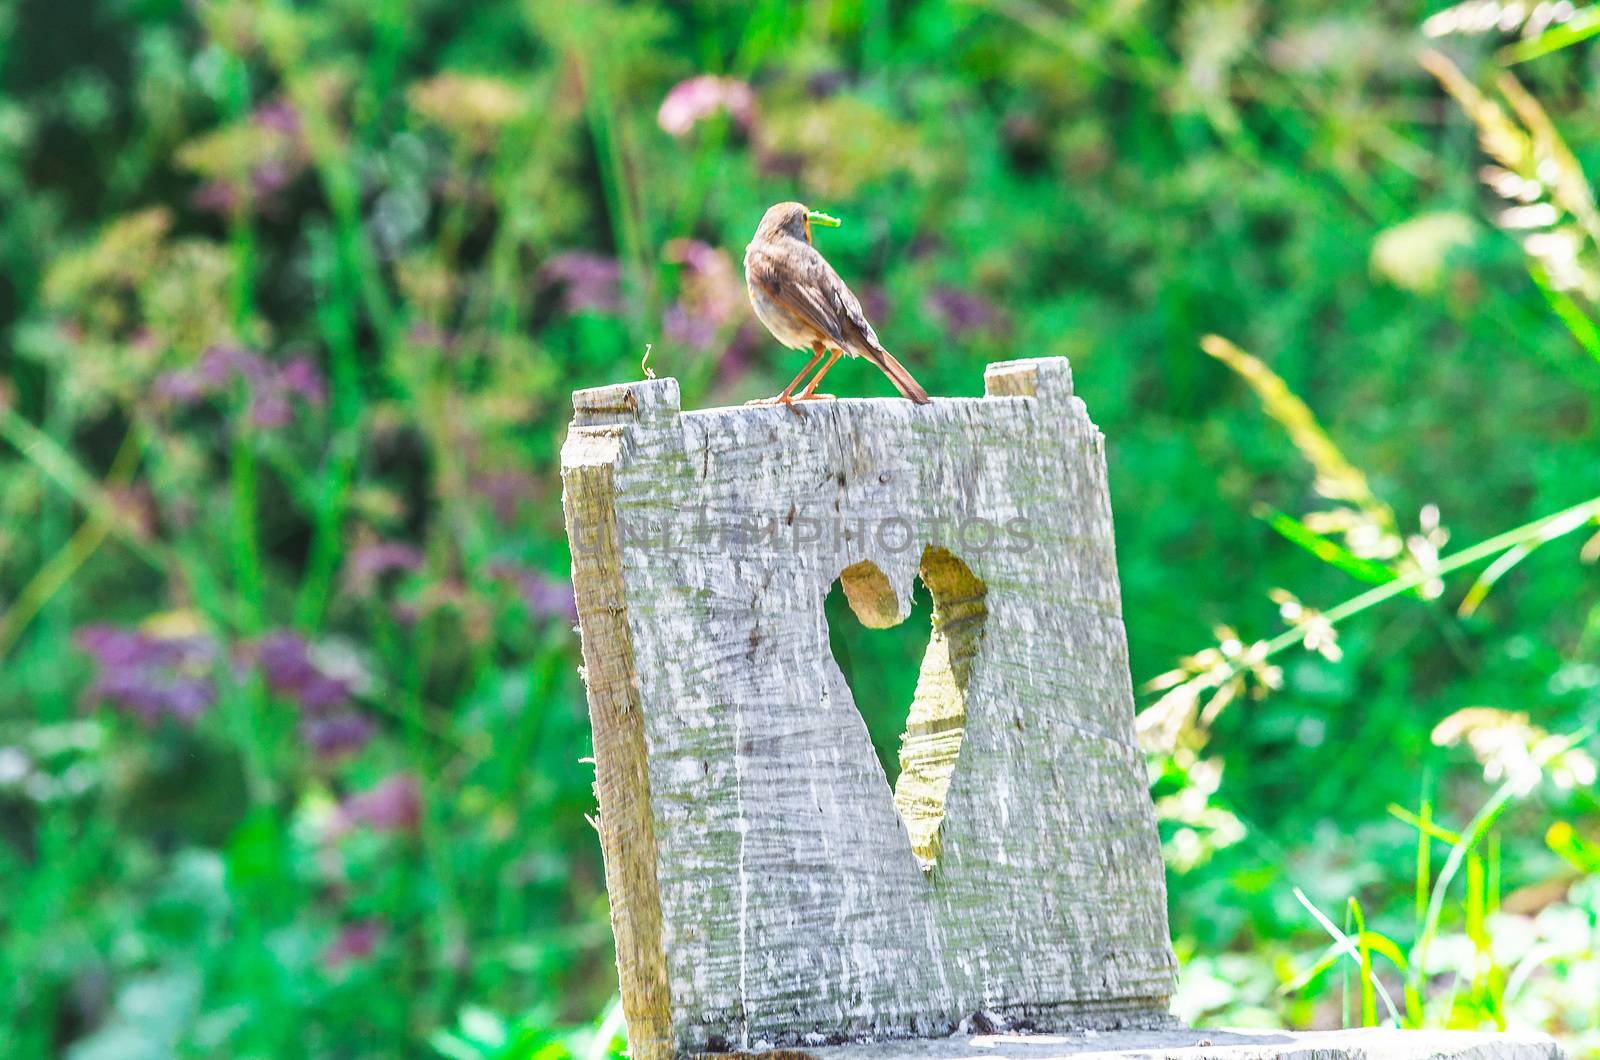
x=899 y=376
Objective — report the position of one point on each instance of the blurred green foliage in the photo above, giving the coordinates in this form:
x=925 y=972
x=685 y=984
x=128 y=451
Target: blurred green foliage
x=292 y=296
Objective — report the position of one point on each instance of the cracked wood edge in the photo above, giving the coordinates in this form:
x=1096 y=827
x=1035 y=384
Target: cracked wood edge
x=622 y=781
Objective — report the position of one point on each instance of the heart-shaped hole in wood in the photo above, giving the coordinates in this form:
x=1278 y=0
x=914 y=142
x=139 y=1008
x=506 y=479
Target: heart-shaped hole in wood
x=932 y=727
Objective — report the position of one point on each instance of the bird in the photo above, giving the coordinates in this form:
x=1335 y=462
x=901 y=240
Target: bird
x=802 y=301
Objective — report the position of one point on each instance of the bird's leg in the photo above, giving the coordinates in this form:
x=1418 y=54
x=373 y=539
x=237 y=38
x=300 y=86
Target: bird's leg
x=810 y=392
x=784 y=398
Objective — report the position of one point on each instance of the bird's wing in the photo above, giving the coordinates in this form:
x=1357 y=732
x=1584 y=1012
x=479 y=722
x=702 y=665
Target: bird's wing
x=848 y=307
x=855 y=332
x=805 y=291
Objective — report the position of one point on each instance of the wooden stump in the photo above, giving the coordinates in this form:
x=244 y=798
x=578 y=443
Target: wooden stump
x=768 y=888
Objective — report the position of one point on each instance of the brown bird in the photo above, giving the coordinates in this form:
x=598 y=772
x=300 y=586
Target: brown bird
x=805 y=305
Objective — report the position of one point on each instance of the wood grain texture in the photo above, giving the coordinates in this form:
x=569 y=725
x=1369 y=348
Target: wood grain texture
x=765 y=889
x=1372 y=1043
x=622 y=786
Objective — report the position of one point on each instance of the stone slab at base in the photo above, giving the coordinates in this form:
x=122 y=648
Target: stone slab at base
x=1372 y=1043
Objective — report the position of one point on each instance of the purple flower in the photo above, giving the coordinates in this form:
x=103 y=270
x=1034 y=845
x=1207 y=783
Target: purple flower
x=215 y=196
x=285 y=662
x=220 y=365
x=276 y=135
x=685 y=327
x=825 y=83
x=506 y=490
x=328 y=723
x=278 y=115
x=423 y=333
x=268 y=385
x=189 y=697
x=544 y=596
x=180 y=388
x=698 y=255
x=110 y=646
x=692 y=101
x=370 y=562
x=740 y=354
x=392 y=805
x=269 y=410
x=963 y=313
x=336 y=734
x=269 y=178
x=712 y=294
x=148 y=676
x=319 y=693
x=874 y=302
x=355 y=942
x=133 y=690
x=301 y=376
x=212 y=372
x=590 y=281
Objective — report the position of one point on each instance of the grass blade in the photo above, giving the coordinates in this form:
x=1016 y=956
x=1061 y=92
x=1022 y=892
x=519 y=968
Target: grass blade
x=1326 y=549
x=1348 y=947
x=1476 y=829
x=1424 y=822
x=1580 y=27
x=1369 y=1005
x=1511 y=557
x=1337 y=477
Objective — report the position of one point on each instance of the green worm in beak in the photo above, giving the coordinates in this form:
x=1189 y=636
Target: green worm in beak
x=817 y=217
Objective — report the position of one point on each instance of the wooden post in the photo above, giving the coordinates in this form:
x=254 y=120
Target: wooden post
x=768 y=888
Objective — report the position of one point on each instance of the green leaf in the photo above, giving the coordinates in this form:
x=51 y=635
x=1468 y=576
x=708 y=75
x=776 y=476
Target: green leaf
x=1326 y=549
x=1424 y=824
x=1580 y=27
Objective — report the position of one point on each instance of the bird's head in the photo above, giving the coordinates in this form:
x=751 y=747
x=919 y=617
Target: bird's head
x=792 y=219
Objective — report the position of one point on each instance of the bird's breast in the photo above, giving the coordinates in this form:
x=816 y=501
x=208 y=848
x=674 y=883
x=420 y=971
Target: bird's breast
x=785 y=326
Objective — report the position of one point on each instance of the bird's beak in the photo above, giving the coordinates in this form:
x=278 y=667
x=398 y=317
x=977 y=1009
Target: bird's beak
x=817 y=217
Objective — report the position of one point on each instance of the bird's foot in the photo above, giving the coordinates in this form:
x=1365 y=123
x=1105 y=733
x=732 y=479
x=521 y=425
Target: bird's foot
x=816 y=397
x=776 y=399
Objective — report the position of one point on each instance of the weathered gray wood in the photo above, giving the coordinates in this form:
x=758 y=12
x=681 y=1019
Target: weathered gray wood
x=1185 y=1044
x=767 y=887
